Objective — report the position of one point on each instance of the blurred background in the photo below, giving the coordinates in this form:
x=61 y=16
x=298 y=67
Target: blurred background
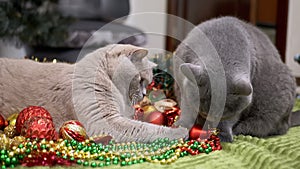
x=59 y=28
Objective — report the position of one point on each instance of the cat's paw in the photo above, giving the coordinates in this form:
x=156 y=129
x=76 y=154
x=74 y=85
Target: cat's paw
x=225 y=137
x=177 y=133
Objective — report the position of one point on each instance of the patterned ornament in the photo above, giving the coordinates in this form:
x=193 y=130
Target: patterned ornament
x=31 y=111
x=39 y=127
x=73 y=129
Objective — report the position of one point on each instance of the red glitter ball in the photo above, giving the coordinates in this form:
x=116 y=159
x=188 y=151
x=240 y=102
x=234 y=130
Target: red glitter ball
x=29 y=112
x=39 y=127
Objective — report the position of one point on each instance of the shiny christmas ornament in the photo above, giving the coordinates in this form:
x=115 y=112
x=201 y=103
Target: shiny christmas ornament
x=4 y=142
x=156 y=95
x=73 y=129
x=2 y=122
x=197 y=132
x=165 y=104
x=155 y=117
x=39 y=127
x=12 y=119
x=10 y=131
x=148 y=110
x=31 y=111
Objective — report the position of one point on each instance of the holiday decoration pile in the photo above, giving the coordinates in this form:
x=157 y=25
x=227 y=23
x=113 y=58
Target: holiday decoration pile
x=29 y=138
x=39 y=145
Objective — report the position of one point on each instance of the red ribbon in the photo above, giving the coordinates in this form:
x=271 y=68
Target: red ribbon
x=139 y=113
x=172 y=115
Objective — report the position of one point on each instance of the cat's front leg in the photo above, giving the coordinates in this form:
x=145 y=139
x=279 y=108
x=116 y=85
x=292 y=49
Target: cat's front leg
x=262 y=126
x=123 y=129
x=225 y=128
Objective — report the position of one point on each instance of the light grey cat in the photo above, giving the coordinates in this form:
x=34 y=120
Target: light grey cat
x=94 y=91
x=260 y=89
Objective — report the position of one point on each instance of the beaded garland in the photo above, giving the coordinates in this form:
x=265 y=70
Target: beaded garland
x=88 y=153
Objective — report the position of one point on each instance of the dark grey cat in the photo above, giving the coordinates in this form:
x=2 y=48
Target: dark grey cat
x=260 y=89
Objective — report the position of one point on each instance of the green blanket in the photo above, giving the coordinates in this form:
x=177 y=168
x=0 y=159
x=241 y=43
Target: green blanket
x=245 y=152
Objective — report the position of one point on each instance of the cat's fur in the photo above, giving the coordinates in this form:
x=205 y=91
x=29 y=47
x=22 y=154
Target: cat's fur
x=94 y=91
x=260 y=87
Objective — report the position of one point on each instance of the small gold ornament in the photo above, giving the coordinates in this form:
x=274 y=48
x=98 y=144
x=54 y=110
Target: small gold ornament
x=12 y=119
x=17 y=140
x=4 y=142
x=10 y=131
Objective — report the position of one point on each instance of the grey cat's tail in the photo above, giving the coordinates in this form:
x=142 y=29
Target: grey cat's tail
x=295 y=119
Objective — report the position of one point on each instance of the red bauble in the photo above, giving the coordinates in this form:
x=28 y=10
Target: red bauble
x=73 y=129
x=197 y=132
x=31 y=111
x=39 y=127
x=155 y=117
x=3 y=123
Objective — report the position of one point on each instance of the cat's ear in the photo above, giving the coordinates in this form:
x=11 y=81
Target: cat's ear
x=194 y=72
x=152 y=64
x=138 y=54
x=242 y=87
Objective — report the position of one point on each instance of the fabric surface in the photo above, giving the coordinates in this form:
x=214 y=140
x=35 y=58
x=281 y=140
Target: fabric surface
x=244 y=153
